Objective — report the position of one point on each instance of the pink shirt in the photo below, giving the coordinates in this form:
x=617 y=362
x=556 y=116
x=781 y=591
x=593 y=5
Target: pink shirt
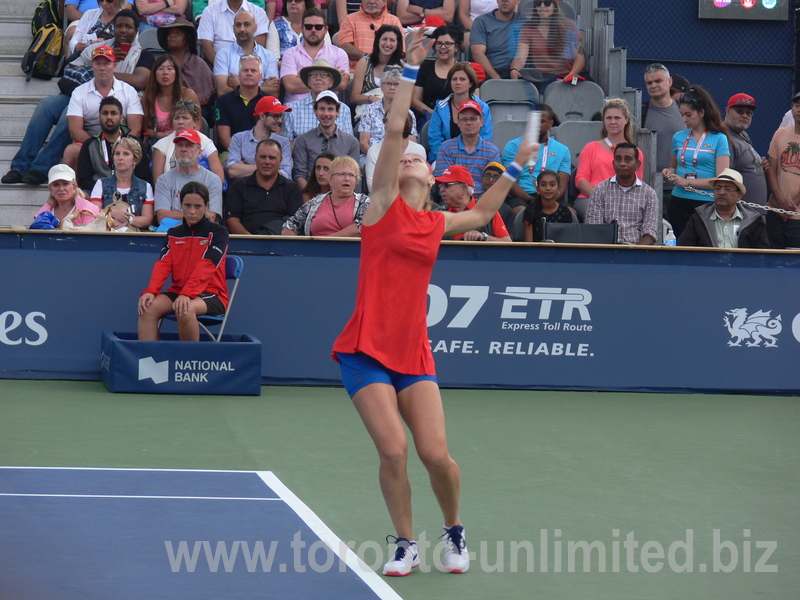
x=329 y=218
x=297 y=57
x=596 y=164
x=80 y=204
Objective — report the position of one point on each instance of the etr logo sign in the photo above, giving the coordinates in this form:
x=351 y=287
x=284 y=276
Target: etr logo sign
x=13 y=333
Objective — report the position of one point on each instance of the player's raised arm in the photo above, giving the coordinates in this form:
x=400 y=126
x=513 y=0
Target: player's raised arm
x=384 y=184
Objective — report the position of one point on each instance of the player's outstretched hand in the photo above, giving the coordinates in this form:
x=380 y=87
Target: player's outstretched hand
x=418 y=47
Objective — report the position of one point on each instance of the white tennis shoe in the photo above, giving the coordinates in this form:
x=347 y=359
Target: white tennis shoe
x=406 y=557
x=456 y=556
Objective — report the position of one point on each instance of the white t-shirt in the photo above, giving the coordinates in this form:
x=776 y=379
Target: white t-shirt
x=85 y=102
x=216 y=24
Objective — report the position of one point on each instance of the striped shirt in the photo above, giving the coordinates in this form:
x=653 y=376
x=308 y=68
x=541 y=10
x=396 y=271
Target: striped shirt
x=453 y=152
x=635 y=209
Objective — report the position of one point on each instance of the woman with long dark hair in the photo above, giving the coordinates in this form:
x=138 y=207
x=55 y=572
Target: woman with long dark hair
x=384 y=353
x=387 y=50
x=550 y=43
x=319 y=182
x=699 y=153
x=164 y=90
x=545 y=204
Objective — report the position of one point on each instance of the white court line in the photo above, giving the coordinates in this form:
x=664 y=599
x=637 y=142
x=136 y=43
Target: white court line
x=359 y=567
x=136 y=497
x=127 y=469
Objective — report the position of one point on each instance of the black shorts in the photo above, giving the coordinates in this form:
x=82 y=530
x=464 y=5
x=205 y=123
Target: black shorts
x=214 y=307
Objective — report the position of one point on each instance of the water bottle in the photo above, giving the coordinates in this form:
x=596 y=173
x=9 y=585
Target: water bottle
x=669 y=239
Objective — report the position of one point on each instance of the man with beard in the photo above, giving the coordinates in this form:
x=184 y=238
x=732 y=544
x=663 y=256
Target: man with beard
x=325 y=137
x=311 y=48
x=95 y=158
x=216 y=27
x=226 y=64
x=168 y=187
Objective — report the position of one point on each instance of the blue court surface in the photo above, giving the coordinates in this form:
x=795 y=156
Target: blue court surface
x=168 y=534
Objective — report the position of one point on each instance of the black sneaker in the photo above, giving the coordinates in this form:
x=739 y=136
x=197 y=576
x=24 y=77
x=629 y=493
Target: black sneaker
x=13 y=176
x=33 y=178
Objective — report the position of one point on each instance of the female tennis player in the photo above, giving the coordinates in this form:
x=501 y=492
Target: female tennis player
x=385 y=357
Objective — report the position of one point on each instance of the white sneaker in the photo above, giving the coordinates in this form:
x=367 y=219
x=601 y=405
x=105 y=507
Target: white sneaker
x=456 y=556
x=406 y=557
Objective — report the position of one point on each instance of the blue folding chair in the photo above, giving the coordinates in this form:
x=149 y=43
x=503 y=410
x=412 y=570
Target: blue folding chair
x=233 y=270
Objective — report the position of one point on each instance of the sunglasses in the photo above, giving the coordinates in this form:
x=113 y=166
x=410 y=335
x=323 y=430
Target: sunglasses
x=547 y=3
x=309 y=27
x=692 y=99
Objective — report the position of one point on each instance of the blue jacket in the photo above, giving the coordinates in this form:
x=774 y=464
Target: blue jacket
x=439 y=129
x=135 y=197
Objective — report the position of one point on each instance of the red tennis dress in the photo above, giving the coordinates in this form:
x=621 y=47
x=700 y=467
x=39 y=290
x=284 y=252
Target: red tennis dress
x=390 y=319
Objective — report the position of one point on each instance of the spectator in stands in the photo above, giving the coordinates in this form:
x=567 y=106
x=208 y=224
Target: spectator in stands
x=469 y=149
x=458 y=188
x=185 y=115
x=95 y=23
x=387 y=51
x=414 y=12
x=661 y=114
x=698 y=154
x=241 y=160
x=319 y=181
x=553 y=155
x=372 y=128
x=194 y=257
x=624 y=198
x=235 y=109
x=722 y=223
x=325 y=136
x=744 y=158
x=216 y=27
x=226 y=63
x=163 y=92
x=156 y=13
x=494 y=39
x=357 y=32
x=680 y=85
x=347 y=7
x=259 y=204
x=337 y=213
x=550 y=43
x=95 y=158
x=34 y=159
x=123 y=185
x=408 y=147
x=64 y=197
x=179 y=39
x=314 y=48
x=444 y=122
x=199 y=6
x=83 y=112
x=133 y=63
x=319 y=77
x=784 y=181
x=289 y=26
x=433 y=81
x=468 y=11
x=545 y=205
x=596 y=160
x=187 y=169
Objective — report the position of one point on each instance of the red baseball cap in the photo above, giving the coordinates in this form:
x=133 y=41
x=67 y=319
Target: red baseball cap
x=270 y=105
x=456 y=174
x=433 y=21
x=187 y=134
x=480 y=73
x=742 y=100
x=470 y=105
x=104 y=52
